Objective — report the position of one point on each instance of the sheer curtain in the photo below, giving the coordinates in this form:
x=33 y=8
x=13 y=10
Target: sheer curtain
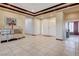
x=44 y=26
x=29 y=25
x=49 y=26
x=52 y=26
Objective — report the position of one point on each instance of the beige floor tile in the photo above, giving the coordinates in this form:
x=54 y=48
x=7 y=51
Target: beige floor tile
x=41 y=46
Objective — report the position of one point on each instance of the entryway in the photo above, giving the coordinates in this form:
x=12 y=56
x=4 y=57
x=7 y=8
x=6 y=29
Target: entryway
x=72 y=28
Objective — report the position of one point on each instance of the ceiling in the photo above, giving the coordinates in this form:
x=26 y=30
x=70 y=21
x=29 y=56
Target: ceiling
x=34 y=7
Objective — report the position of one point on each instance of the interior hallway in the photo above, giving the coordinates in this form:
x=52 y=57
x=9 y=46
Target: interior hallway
x=41 y=46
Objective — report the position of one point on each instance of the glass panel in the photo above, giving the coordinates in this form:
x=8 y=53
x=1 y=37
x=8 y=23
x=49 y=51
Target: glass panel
x=71 y=27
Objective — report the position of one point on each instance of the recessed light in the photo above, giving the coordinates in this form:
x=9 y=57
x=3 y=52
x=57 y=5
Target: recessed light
x=33 y=10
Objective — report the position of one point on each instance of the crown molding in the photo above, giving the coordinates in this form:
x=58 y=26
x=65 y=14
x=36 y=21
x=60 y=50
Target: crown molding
x=44 y=11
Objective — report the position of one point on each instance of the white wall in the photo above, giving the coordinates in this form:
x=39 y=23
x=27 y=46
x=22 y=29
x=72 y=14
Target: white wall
x=20 y=19
x=60 y=27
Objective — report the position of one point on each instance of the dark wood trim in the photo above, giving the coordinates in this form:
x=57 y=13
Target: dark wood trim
x=58 y=8
x=72 y=33
x=15 y=10
x=47 y=10
x=59 y=39
x=31 y=34
x=33 y=12
x=13 y=39
x=51 y=7
x=17 y=7
x=47 y=35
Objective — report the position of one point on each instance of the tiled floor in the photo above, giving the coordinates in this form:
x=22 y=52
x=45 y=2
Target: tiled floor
x=41 y=46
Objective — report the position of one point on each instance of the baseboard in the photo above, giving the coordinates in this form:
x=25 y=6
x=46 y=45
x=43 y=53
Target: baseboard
x=59 y=39
x=33 y=34
x=40 y=34
x=3 y=41
x=13 y=39
x=47 y=35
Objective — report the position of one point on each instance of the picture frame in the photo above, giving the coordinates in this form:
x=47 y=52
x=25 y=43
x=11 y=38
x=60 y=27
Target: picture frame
x=10 y=21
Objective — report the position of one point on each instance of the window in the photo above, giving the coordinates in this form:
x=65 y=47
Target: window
x=71 y=26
